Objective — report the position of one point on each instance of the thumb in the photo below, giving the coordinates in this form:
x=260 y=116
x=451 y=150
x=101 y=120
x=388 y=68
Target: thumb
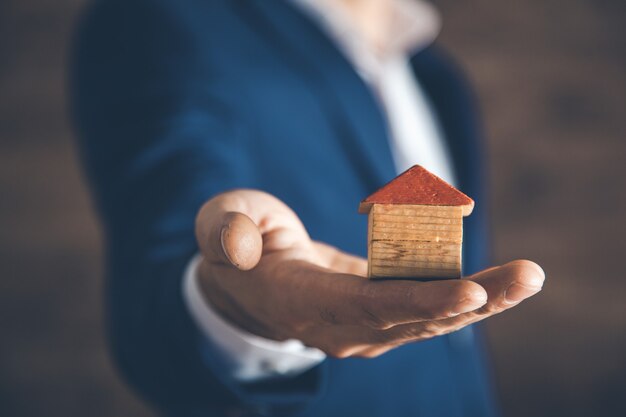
x=228 y=237
x=240 y=241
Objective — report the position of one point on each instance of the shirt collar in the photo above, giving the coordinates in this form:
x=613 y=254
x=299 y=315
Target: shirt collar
x=416 y=24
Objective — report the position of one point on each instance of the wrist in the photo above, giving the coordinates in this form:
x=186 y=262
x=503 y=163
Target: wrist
x=226 y=307
x=241 y=354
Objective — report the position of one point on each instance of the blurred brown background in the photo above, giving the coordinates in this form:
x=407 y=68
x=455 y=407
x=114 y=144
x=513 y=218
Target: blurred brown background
x=551 y=77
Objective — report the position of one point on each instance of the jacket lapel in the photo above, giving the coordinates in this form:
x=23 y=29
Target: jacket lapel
x=351 y=107
x=455 y=108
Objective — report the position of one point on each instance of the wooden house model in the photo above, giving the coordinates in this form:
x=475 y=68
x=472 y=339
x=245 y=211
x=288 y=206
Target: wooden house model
x=415 y=227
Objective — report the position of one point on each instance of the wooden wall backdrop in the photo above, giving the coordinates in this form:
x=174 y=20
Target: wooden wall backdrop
x=550 y=77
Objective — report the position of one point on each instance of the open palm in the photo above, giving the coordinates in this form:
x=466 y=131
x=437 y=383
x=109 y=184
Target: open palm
x=262 y=272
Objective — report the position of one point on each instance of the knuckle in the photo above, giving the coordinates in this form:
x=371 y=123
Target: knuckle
x=490 y=309
x=407 y=333
x=430 y=329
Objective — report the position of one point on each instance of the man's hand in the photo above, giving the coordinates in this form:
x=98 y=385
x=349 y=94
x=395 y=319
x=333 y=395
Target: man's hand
x=262 y=272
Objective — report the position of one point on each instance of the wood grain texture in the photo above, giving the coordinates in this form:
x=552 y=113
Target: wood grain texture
x=404 y=249
x=413 y=272
x=414 y=241
x=445 y=212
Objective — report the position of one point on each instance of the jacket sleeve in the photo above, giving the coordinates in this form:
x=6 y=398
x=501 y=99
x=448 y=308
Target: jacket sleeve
x=156 y=143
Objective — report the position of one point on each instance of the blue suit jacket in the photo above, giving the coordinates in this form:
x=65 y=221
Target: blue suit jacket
x=177 y=100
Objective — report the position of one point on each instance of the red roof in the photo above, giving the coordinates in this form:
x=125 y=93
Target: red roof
x=417 y=186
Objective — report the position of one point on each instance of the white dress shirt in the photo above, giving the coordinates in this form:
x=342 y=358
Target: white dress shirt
x=415 y=138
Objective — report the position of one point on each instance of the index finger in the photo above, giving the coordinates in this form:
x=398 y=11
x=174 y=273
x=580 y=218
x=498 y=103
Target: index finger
x=506 y=286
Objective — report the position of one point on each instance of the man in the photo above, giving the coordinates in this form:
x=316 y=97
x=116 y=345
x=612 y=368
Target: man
x=184 y=108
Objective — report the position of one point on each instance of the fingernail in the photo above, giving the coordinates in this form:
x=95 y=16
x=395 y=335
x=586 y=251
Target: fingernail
x=470 y=304
x=225 y=250
x=518 y=292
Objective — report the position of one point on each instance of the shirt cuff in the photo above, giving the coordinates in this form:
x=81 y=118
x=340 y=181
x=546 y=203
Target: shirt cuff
x=248 y=358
